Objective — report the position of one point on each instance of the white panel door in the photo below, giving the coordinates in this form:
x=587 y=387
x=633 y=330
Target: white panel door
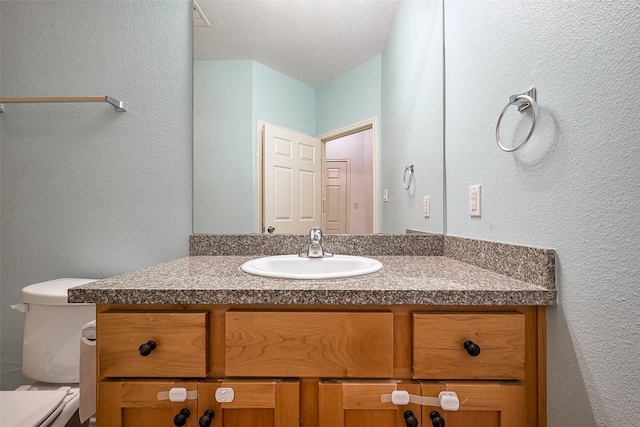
x=336 y=197
x=292 y=181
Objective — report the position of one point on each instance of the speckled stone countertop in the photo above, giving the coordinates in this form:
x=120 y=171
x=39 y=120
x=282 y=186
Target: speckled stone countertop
x=212 y=276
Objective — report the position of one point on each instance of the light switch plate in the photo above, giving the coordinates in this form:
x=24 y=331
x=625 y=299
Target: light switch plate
x=474 y=201
x=425 y=206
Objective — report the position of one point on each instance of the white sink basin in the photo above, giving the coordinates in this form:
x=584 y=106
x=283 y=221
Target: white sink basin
x=295 y=267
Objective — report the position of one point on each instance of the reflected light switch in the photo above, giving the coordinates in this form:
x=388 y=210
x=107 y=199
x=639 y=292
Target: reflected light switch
x=474 y=201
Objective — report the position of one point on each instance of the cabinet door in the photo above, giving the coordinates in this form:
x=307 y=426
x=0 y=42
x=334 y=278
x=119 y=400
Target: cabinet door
x=143 y=404
x=357 y=404
x=486 y=404
x=255 y=403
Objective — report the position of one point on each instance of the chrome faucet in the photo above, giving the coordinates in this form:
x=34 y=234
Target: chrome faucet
x=315 y=249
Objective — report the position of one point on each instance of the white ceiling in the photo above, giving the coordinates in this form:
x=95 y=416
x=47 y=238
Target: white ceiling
x=312 y=41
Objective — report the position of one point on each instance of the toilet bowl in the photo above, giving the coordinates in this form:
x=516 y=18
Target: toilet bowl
x=50 y=356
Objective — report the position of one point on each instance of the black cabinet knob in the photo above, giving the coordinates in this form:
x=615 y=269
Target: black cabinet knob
x=146 y=348
x=181 y=419
x=206 y=419
x=436 y=419
x=410 y=419
x=472 y=348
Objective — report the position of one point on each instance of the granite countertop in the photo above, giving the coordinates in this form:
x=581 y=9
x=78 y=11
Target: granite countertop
x=421 y=280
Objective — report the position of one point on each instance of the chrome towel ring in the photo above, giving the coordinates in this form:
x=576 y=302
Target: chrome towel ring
x=406 y=183
x=522 y=101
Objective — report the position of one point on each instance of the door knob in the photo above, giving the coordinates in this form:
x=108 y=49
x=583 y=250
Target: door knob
x=472 y=348
x=206 y=419
x=436 y=419
x=409 y=419
x=146 y=348
x=181 y=419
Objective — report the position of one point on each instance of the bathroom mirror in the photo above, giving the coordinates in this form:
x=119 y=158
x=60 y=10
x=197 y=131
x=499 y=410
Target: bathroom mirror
x=276 y=62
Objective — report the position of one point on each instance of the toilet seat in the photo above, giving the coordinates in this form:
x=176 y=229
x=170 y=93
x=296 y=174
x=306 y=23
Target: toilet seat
x=28 y=407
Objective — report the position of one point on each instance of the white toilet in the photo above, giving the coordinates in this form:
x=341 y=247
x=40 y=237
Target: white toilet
x=51 y=356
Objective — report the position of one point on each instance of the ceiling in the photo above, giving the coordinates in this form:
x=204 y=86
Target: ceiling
x=312 y=41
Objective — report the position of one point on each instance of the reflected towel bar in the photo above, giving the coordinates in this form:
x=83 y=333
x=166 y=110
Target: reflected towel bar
x=119 y=106
x=406 y=183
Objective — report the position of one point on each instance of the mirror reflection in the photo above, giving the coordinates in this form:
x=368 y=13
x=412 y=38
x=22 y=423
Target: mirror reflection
x=306 y=113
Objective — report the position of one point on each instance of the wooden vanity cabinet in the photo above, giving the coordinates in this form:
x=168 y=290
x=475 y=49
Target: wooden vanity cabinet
x=321 y=366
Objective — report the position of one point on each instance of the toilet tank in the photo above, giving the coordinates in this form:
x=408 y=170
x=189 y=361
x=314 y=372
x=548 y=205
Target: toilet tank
x=52 y=327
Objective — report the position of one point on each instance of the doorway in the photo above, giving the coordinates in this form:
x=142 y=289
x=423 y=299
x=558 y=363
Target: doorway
x=335 y=209
x=290 y=181
x=357 y=145
x=345 y=199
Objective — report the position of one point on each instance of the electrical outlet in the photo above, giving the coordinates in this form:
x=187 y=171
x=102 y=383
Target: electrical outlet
x=425 y=206
x=474 y=201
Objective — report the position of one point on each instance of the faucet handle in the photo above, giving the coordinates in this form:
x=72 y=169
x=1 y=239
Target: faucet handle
x=315 y=234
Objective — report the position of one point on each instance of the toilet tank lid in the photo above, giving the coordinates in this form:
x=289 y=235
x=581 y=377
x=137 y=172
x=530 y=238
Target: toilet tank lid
x=52 y=292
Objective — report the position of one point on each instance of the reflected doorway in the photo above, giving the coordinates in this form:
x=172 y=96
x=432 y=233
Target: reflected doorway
x=349 y=184
x=335 y=214
x=345 y=199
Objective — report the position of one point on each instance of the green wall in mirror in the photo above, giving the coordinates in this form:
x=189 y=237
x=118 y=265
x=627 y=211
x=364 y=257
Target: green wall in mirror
x=401 y=86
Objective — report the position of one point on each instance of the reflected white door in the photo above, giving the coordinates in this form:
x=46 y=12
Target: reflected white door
x=336 y=197
x=292 y=181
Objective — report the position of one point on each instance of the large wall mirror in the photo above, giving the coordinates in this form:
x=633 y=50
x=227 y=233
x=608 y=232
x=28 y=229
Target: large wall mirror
x=361 y=79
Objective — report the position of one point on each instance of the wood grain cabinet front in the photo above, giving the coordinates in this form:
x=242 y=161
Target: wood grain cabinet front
x=486 y=404
x=309 y=344
x=322 y=366
x=356 y=403
x=152 y=344
x=353 y=403
x=484 y=346
x=222 y=403
x=255 y=402
x=145 y=403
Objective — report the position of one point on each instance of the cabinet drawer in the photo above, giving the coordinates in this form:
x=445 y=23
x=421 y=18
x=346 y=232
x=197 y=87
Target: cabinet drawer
x=309 y=344
x=439 y=346
x=180 y=344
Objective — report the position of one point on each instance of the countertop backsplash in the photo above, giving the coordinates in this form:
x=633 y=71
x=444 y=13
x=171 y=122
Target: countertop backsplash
x=527 y=263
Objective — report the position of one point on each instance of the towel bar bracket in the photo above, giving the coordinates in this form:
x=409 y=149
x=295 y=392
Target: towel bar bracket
x=120 y=106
